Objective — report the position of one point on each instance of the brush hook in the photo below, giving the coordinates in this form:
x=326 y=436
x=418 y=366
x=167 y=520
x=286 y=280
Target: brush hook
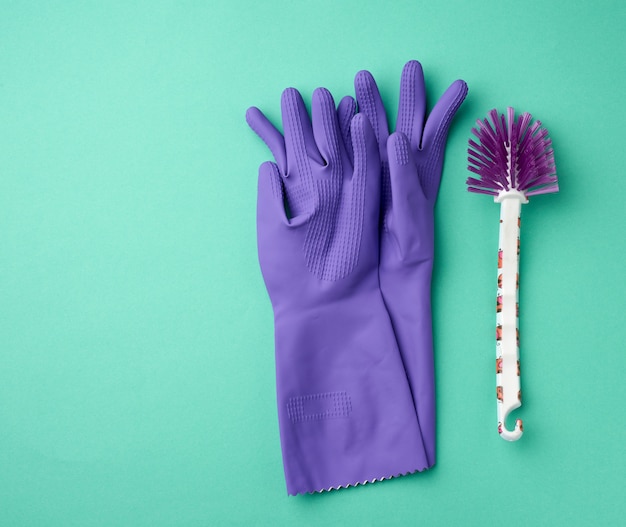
x=506 y=434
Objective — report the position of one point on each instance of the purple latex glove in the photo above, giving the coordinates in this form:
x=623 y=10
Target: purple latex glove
x=345 y=409
x=412 y=162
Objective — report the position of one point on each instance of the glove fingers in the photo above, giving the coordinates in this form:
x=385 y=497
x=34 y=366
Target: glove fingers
x=438 y=123
x=371 y=104
x=326 y=128
x=269 y=134
x=406 y=190
x=408 y=202
x=345 y=112
x=271 y=196
x=366 y=180
x=412 y=105
x=272 y=199
x=299 y=140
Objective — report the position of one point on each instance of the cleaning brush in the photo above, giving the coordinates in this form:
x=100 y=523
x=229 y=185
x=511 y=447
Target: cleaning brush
x=513 y=160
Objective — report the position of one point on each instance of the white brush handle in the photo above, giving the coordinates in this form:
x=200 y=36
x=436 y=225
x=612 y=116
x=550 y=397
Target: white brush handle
x=508 y=391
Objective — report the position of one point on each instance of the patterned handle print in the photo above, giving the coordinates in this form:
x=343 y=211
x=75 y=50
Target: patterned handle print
x=508 y=393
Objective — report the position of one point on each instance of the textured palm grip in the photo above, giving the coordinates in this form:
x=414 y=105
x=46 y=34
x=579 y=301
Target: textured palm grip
x=319 y=406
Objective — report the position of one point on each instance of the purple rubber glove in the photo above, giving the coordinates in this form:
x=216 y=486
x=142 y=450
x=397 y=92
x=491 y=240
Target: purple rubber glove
x=412 y=162
x=345 y=409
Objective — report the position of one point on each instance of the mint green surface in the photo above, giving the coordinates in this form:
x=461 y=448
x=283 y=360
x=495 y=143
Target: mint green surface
x=136 y=338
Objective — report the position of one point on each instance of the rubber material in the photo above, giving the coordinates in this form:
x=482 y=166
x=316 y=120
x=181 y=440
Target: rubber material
x=345 y=408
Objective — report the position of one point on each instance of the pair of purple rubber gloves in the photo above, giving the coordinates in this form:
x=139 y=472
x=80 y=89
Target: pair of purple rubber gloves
x=345 y=225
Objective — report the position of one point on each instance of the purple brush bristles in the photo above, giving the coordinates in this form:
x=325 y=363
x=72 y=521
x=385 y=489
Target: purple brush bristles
x=511 y=155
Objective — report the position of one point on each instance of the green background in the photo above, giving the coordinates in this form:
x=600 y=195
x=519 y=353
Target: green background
x=136 y=338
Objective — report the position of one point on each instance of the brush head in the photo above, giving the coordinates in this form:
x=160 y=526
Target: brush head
x=511 y=155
